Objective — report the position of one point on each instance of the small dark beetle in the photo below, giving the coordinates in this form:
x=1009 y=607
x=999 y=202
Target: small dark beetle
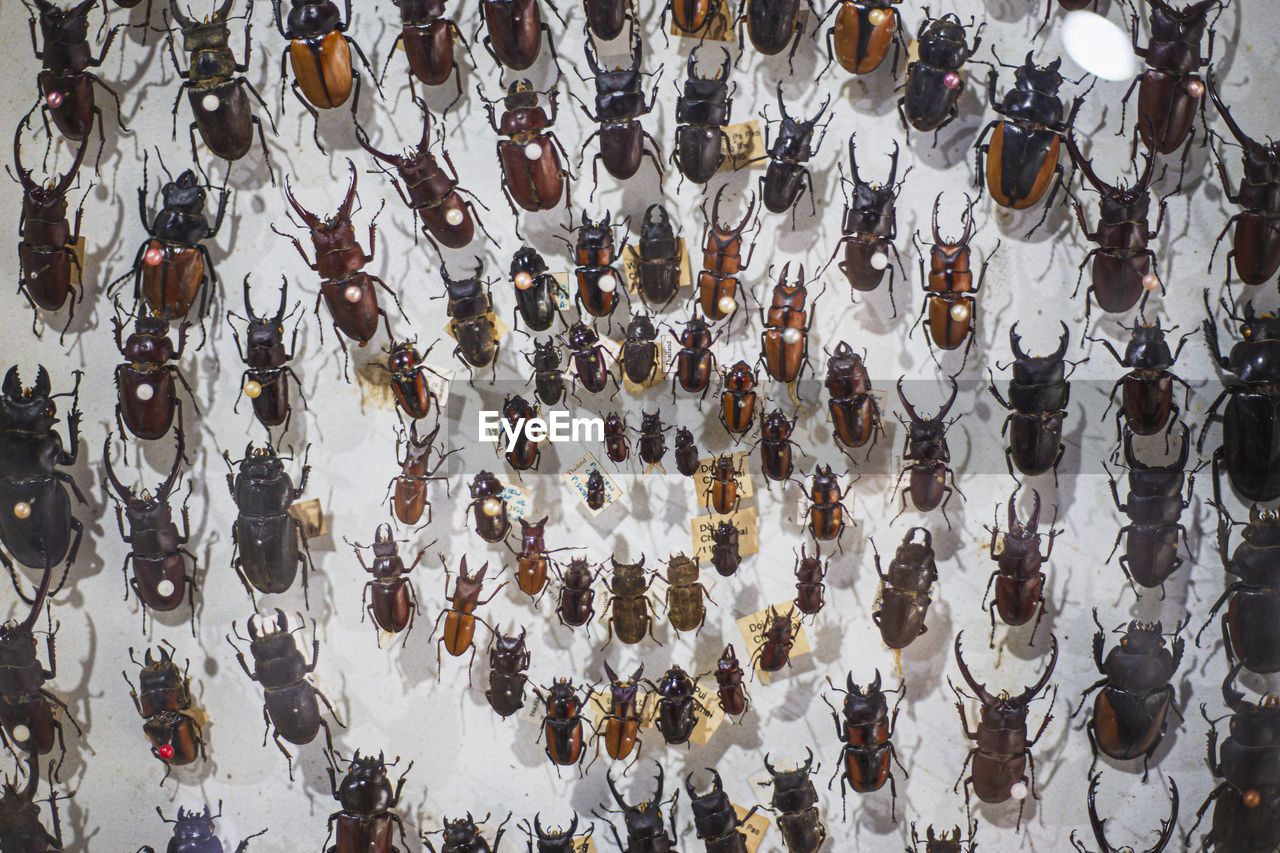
x=548 y=378
x=653 y=442
x=146 y=382
x=777 y=638
x=165 y=706
x=795 y=802
x=659 y=254
x=535 y=291
x=1038 y=396
x=1154 y=505
x=1019 y=576
x=945 y=842
x=195 y=832
x=576 y=605
x=471 y=320
x=1147 y=403
x=1251 y=636
x=730 y=690
x=726 y=555
x=508 y=665
x=267 y=371
x=389 y=599
x=927 y=458
x=590 y=368
x=269 y=544
x=687 y=461
x=489 y=508
x=809 y=572
x=870 y=223
x=866 y=731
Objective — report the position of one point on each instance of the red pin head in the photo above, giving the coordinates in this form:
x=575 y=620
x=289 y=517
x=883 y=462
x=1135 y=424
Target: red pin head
x=166 y=752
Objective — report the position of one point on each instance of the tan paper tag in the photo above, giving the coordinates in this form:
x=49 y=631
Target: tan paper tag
x=77 y=269
x=702 y=526
x=746 y=142
x=719 y=28
x=584 y=844
x=439 y=381
x=702 y=479
x=753 y=627
x=562 y=293
x=708 y=713
x=577 y=474
x=519 y=501
x=311 y=516
x=753 y=827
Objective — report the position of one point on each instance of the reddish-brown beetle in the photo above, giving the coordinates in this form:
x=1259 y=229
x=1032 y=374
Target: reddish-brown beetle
x=732 y=693
x=950 y=291
x=774 y=652
x=722 y=485
x=784 y=343
x=1019 y=576
x=532 y=174
x=389 y=598
x=621 y=722
x=738 y=399
x=810 y=570
x=460 y=618
x=409 y=489
x=722 y=260
x=861 y=35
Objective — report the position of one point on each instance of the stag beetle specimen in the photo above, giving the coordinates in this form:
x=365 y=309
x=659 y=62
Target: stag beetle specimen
x=532 y=175
x=1251 y=636
x=795 y=802
x=928 y=458
x=659 y=255
x=722 y=260
x=771 y=25
x=653 y=442
x=866 y=730
x=726 y=555
x=366 y=818
x=160 y=577
x=776 y=640
x=1250 y=448
x=934 y=83
x=1130 y=713
x=194 y=832
x=409 y=488
x=347 y=290
x=427 y=37
x=409 y=383
x=66 y=84
x=1023 y=155
x=775 y=446
x=216 y=94
x=1121 y=273
x=1167 y=826
x=265 y=540
x=1038 y=397
x=429 y=191
x=292 y=706
x=388 y=598
x=694 y=363
x=945 y=842
x=547 y=378
x=630 y=610
x=678 y=706
x=471 y=320
x=20 y=826
x=1249 y=794
x=646 y=830
x=906 y=590
x=508 y=663
x=640 y=357
x=173 y=265
x=1019 y=577
x=714 y=817
x=460 y=616
x=36 y=525
x=576 y=605
x=1169 y=91
x=855 y=414
x=621 y=721
x=1255 y=246
x=810 y=572
x=47 y=251
x=826 y=512
x=685 y=594
x=532 y=558
x=870 y=223
x=463 y=836
x=1147 y=400
x=590 y=369
x=324 y=76
x=562 y=725
x=702 y=113
x=27 y=718
x=535 y=293
x=1154 y=506
x=267 y=373
x=950 y=293
x=784 y=341
x=861 y=36
x=620 y=105
x=730 y=691
x=515 y=32
x=1002 y=749
x=555 y=840
x=787 y=175
x=166 y=706
x=595 y=252
x=147 y=395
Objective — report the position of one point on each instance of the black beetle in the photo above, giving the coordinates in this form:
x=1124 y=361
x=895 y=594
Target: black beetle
x=1147 y=401
x=869 y=227
x=1250 y=448
x=66 y=84
x=934 y=82
x=535 y=291
x=1038 y=397
x=1154 y=505
x=291 y=707
x=702 y=113
x=194 y=832
x=771 y=25
x=620 y=106
x=866 y=732
x=555 y=840
x=1249 y=794
x=795 y=802
x=687 y=461
x=20 y=826
x=617 y=446
x=678 y=706
x=266 y=537
x=160 y=576
x=726 y=555
x=1131 y=712
x=945 y=842
x=463 y=836
x=367 y=798
x=597 y=493
x=548 y=378
x=576 y=604
x=267 y=371
x=214 y=91
x=906 y=590
x=1121 y=272
x=787 y=175
x=606 y=18
x=646 y=830
x=471 y=321
x=1028 y=137
x=1251 y=636
x=166 y=705
x=659 y=253
x=147 y=381
x=1018 y=579
x=714 y=818
x=489 y=508
x=640 y=357
x=562 y=725
x=1255 y=247
x=523 y=454
x=595 y=251
x=927 y=457
x=694 y=363
x=1002 y=749
x=590 y=370
x=1167 y=827
x=36 y=525
x=653 y=443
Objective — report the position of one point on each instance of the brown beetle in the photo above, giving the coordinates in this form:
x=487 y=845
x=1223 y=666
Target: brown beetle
x=389 y=598
x=809 y=586
x=826 y=512
x=860 y=38
x=950 y=292
x=927 y=457
x=532 y=174
x=784 y=343
x=460 y=618
x=722 y=261
x=722 y=485
x=577 y=598
x=738 y=399
x=165 y=705
x=855 y=414
x=779 y=635
x=621 y=722
x=733 y=695
x=905 y=590
x=531 y=567
x=685 y=594
x=409 y=488
x=630 y=611
x=1019 y=576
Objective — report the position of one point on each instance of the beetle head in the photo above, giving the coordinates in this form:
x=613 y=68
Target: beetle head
x=1017 y=529
x=1004 y=702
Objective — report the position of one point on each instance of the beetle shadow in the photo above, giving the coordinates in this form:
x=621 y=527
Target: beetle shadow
x=920 y=665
